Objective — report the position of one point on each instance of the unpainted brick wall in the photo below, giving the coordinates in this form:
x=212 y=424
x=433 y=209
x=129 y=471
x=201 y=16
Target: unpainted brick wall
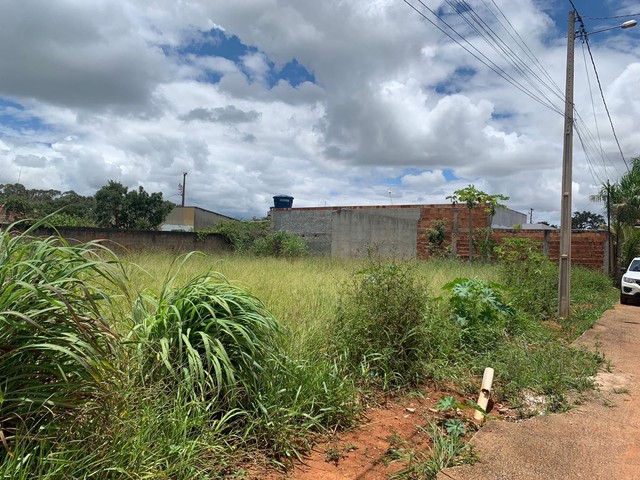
x=588 y=247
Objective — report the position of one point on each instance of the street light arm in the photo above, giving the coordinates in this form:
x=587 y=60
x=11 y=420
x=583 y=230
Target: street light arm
x=627 y=24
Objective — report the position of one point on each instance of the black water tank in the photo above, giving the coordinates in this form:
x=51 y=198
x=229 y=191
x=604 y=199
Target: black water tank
x=282 y=201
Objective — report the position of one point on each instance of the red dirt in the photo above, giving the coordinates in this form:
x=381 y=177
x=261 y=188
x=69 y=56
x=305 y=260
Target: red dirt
x=598 y=439
x=369 y=450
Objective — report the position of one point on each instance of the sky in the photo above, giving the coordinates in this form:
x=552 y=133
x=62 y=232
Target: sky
x=361 y=102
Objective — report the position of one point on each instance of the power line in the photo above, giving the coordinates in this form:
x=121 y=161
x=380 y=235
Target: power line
x=606 y=107
x=494 y=40
x=526 y=49
x=592 y=145
x=486 y=61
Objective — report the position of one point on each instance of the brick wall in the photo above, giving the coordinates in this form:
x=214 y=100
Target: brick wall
x=588 y=247
x=456 y=219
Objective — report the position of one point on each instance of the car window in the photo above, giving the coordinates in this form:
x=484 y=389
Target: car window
x=635 y=266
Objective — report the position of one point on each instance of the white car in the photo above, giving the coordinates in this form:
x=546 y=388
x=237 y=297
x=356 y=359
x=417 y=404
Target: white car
x=630 y=285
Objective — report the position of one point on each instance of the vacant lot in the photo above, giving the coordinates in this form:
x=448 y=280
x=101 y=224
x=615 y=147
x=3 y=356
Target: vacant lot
x=202 y=367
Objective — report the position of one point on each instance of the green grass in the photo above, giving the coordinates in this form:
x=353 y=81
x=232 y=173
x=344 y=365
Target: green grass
x=150 y=366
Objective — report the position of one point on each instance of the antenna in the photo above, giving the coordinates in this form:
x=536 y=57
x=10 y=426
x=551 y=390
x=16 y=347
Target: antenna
x=390 y=199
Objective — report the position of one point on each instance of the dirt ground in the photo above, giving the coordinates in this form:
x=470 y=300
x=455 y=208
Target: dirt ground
x=599 y=439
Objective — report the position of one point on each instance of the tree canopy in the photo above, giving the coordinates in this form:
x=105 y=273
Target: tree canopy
x=114 y=205
x=119 y=207
x=624 y=200
x=471 y=197
x=587 y=221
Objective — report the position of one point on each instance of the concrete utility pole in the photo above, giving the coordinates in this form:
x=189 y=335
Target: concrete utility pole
x=564 y=280
x=183 y=188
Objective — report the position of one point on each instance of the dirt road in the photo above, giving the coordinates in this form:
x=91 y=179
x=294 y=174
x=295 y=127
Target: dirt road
x=597 y=440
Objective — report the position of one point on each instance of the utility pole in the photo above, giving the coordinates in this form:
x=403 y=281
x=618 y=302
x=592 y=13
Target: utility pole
x=564 y=280
x=183 y=186
x=610 y=252
x=531 y=215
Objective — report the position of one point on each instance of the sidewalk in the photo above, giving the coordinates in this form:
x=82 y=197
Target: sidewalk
x=597 y=440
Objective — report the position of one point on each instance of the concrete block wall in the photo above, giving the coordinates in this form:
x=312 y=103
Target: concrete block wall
x=589 y=248
x=356 y=233
x=312 y=224
x=140 y=240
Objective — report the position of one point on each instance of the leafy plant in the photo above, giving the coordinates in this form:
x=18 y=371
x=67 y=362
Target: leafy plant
x=522 y=258
x=436 y=237
x=455 y=427
x=212 y=337
x=381 y=326
x=257 y=238
x=448 y=403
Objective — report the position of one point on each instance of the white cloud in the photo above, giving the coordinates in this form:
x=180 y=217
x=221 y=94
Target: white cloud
x=394 y=103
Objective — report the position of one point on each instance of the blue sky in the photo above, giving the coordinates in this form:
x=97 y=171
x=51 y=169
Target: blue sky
x=330 y=102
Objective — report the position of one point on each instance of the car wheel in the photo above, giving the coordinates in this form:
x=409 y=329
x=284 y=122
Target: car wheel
x=624 y=300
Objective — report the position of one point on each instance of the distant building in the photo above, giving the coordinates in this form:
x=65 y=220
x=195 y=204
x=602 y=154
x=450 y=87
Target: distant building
x=189 y=219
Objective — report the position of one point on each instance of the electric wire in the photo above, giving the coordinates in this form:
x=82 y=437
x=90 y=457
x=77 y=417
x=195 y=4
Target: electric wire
x=484 y=60
x=593 y=107
x=613 y=17
x=592 y=170
x=522 y=43
x=590 y=143
x=606 y=107
x=491 y=37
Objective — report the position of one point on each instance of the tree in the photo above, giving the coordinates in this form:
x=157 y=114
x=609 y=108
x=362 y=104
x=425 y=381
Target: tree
x=17 y=206
x=587 y=221
x=69 y=207
x=623 y=198
x=471 y=197
x=117 y=207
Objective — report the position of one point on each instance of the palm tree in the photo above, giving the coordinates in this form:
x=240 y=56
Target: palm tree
x=624 y=202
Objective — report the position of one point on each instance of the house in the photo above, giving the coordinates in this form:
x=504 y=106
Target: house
x=191 y=219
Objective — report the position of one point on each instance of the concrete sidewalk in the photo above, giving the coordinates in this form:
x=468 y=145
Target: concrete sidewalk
x=597 y=440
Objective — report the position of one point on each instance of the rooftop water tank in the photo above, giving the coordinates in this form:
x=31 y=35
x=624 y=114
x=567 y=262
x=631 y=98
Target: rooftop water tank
x=282 y=201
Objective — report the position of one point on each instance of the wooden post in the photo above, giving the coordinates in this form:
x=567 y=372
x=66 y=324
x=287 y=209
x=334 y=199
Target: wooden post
x=485 y=393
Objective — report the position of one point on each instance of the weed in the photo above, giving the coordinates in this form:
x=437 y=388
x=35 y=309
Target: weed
x=447 y=450
x=380 y=325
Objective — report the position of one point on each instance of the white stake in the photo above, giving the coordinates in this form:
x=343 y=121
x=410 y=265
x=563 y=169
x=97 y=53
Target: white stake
x=485 y=393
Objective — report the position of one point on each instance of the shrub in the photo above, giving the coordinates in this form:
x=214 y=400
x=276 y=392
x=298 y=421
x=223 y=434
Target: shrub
x=481 y=312
x=380 y=327
x=257 y=238
x=436 y=236
x=243 y=235
x=280 y=244
x=531 y=278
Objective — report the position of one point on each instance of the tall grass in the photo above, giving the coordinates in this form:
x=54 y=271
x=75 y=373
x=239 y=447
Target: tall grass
x=56 y=346
x=150 y=366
